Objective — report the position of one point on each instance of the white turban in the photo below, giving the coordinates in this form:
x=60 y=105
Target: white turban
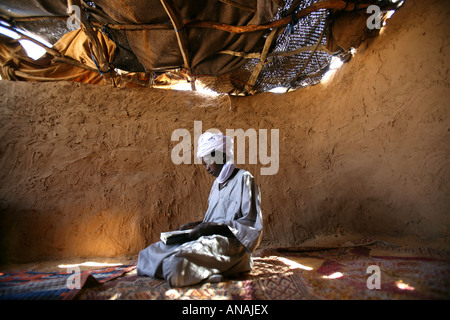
x=210 y=142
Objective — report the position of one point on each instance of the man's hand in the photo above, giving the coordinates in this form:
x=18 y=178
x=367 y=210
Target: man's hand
x=210 y=228
x=190 y=225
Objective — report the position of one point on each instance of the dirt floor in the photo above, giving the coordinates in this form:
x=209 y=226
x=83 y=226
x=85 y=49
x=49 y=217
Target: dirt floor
x=86 y=171
x=404 y=245
x=327 y=268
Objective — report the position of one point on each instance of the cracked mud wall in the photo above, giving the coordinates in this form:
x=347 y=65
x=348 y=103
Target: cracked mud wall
x=87 y=171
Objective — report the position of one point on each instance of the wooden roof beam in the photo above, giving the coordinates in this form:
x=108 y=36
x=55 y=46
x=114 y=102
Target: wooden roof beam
x=177 y=22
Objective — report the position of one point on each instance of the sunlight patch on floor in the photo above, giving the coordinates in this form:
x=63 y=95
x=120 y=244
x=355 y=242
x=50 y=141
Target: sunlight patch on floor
x=404 y=286
x=335 y=275
x=89 y=264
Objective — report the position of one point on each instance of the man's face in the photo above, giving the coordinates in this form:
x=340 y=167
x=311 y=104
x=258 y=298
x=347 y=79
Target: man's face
x=211 y=166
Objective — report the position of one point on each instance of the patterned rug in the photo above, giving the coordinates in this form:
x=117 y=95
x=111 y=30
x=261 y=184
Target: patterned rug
x=32 y=285
x=356 y=271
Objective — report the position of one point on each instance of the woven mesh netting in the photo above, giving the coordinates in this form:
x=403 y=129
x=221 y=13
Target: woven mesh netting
x=298 y=70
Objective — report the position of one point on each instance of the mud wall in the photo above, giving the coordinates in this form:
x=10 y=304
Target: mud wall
x=87 y=170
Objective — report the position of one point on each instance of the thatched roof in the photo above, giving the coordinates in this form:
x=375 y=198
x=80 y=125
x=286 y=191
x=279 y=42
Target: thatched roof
x=232 y=46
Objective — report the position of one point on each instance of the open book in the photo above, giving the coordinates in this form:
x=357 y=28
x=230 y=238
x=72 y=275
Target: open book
x=178 y=236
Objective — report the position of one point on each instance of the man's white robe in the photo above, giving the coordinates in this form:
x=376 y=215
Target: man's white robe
x=237 y=205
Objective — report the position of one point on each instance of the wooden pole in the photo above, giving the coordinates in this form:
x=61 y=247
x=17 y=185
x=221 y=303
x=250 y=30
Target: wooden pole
x=327 y=4
x=238 y=5
x=257 y=55
x=262 y=61
x=181 y=36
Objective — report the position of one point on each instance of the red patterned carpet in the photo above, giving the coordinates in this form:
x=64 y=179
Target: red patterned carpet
x=34 y=285
x=303 y=273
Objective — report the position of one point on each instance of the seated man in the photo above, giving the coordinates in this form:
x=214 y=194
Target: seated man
x=231 y=230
